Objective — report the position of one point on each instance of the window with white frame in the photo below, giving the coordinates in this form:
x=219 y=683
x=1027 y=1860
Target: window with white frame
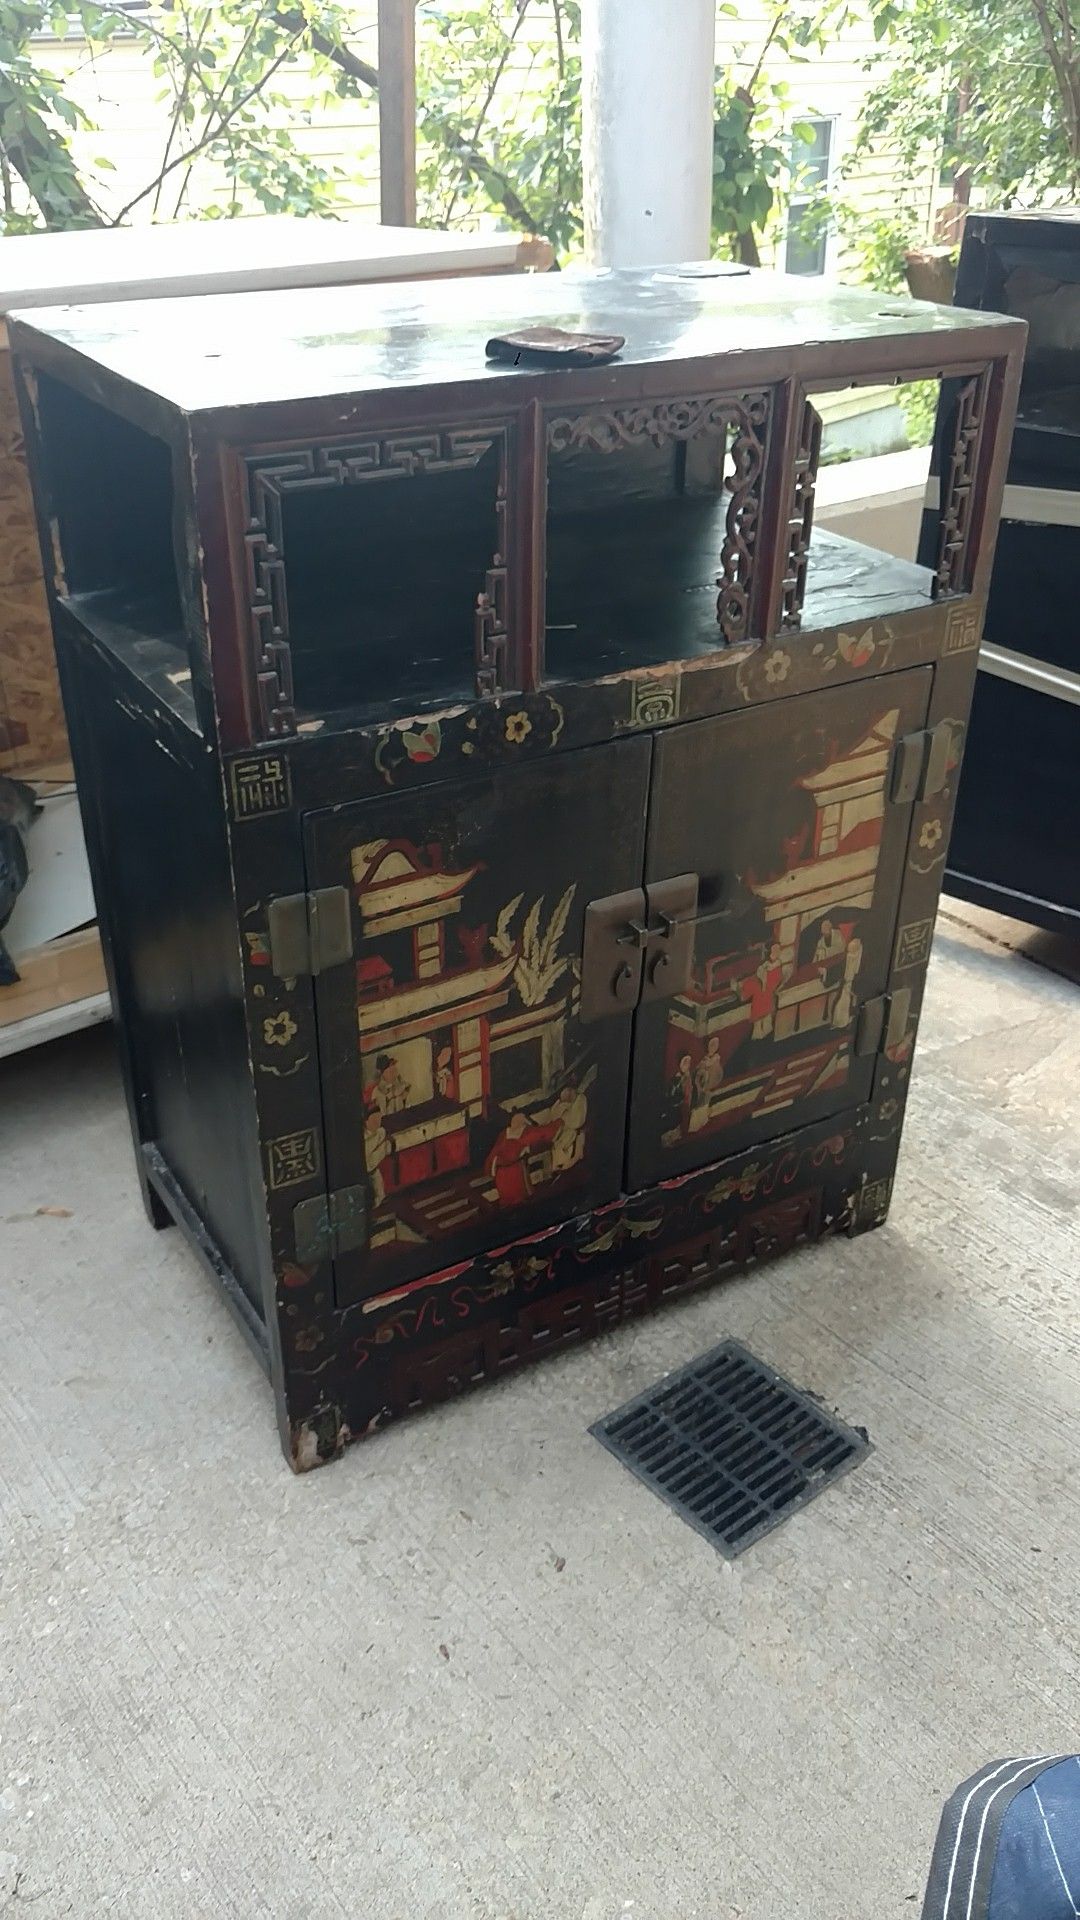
x=811 y=162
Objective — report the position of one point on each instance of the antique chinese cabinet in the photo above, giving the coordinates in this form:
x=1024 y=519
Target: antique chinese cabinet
x=1014 y=845
x=517 y=829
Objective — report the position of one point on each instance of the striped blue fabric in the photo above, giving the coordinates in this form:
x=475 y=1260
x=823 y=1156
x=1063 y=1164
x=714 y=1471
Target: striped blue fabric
x=1008 y=1847
x=1037 y=1865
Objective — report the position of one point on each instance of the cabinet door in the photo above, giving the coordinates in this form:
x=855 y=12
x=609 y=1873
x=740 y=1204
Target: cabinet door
x=465 y=1102
x=784 y=813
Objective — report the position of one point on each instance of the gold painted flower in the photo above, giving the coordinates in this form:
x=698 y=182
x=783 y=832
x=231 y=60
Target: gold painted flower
x=279 y=1029
x=517 y=726
x=777 y=667
x=930 y=834
x=308 y=1339
x=888 y=1109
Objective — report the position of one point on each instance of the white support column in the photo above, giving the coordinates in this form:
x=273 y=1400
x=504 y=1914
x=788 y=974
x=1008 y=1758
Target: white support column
x=648 y=68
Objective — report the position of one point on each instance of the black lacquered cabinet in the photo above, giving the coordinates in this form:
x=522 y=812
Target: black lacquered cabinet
x=517 y=829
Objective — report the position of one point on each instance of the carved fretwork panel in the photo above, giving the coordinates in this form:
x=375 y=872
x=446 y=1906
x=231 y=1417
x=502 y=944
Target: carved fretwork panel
x=268 y=477
x=801 y=516
x=743 y=421
x=959 y=472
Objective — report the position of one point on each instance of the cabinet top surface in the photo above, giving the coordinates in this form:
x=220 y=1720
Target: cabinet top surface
x=1029 y=216
x=220 y=354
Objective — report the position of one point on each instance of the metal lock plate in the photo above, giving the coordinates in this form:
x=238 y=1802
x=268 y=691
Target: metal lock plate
x=922 y=762
x=309 y=932
x=939 y=756
x=639 y=946
x=613 y=953
x=908 y=767
x=671 y=913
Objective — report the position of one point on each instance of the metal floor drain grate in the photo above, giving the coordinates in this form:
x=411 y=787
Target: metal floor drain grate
x=731 y=1445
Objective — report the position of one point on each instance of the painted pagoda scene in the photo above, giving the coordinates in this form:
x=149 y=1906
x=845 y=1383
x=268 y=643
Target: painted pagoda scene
x=770 y=1023
x=470 y=1104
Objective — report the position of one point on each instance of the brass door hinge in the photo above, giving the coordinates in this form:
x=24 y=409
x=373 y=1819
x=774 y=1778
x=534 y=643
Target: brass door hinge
x=922 y=762
x=309 y=932
x=329 y=1225
x=882 y=1022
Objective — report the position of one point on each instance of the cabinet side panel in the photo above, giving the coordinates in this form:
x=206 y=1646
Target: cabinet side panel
x=153 y=811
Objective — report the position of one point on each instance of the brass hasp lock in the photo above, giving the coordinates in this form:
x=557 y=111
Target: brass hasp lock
x=639 y=946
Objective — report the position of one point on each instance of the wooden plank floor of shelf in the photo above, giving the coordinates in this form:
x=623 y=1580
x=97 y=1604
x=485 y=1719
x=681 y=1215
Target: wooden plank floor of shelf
x=61 y=988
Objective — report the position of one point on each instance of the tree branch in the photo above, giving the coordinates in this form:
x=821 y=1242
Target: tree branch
x=443 y=132
x=294 y=23
x=207 y=137
x=1064 y=74
x=500 y=69
x=178 y=109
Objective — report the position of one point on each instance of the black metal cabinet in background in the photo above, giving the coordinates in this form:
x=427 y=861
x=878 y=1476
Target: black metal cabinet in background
x=1016 y=832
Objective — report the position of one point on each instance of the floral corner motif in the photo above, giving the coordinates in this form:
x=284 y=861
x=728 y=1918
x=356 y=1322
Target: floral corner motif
x=518 y=727
x=931 y=834
x=777 y=667
x=279 y=1029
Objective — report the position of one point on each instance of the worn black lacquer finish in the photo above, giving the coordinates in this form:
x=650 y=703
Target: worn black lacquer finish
x=516 y=827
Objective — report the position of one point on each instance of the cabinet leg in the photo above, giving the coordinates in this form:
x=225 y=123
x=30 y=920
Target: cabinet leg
x=156 y=1211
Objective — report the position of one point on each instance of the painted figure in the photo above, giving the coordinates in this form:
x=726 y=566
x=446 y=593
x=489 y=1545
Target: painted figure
x=830 y=944
x=708 y=1076
x=845 y=999
x=444 y=1073
x=761 y=990
x=377 y=1146
x=508 y=1161
x=570 y=1112
x=680 y=1092
x=391 y=1093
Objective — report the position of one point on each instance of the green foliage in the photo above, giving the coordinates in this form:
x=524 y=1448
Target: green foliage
x=759 y=155
x=877 y=242
x=748 y=164
x=216 y=63
x=986 y=86
x=498 y=105
x=37 y=119
x=499 y=109
x=918 y=404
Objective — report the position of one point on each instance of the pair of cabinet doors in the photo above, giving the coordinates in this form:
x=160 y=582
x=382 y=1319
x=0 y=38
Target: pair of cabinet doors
x=468 y=1096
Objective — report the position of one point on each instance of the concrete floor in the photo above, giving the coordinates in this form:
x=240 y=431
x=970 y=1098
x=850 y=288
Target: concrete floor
x=475 y=1670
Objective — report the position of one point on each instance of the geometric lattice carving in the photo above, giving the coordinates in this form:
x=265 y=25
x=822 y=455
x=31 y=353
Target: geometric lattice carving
x=372 y=457
x=960 y=463
x=743 y=421
x=801 y=516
